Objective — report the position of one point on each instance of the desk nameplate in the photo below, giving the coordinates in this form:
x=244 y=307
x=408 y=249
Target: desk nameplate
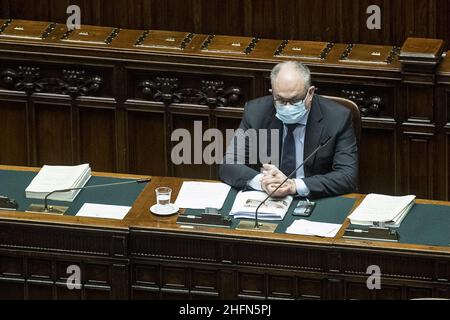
x=26 y=30
x=91 y=35
x=229 y=44
x=373 y=54
x=171 y=40
x=310 y=50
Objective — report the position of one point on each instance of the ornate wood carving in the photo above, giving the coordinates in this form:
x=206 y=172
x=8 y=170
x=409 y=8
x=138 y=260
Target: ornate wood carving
x=72 y=82
x=211 y=93
x=368 y=106
x=24 y=79
x=75 y=84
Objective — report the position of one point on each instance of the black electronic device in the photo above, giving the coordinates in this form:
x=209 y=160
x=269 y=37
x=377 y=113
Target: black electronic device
x=304 y=208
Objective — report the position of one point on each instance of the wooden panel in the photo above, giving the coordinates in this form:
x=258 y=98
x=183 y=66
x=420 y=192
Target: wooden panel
x=39 y=269
x=97 y=274
x=146 y=143
x=13 y=140
x=97 y=294
x=389 y=293
x=40 y=291
x=12 y=290
x=192 y=87
x=420 y=104
x=281 y=287
x=63 y=293
x=11 y=266
x=176 y=278
x=310 y=288
x=284 y=19
x=146 y=275
x=419 y=293
x=419 y=165
x=251 y=285
x=53 y=135
x=141 y=294
x=357 y=291
x=204 y=280
x=97 y=138
x=376 y=142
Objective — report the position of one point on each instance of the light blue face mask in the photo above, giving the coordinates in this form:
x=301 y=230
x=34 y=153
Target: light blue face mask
x=290 y=114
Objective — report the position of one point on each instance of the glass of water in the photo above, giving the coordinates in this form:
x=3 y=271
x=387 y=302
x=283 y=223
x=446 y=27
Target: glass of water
x=163 y=197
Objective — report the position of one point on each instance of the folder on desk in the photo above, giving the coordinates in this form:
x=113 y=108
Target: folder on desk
x=378 y=208
x=51 y=178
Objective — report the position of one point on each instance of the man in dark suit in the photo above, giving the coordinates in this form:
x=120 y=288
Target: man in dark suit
x=303 y=121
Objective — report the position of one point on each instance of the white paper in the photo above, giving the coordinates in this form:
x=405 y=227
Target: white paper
x=201 y=195
x=95 y=210
x=51 y=178
x=382 y=208
x=310 y=228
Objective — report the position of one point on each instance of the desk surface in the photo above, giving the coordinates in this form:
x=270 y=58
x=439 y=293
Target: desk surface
x=139 y=217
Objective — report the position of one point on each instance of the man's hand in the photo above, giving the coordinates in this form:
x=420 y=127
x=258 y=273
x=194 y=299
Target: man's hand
x=272 y=178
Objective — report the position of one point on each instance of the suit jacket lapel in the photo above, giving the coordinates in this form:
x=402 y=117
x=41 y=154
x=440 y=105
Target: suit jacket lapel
x=313 y=133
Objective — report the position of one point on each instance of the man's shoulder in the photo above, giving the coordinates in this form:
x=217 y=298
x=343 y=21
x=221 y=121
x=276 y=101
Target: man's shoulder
x=332 y=108
x=260 y=105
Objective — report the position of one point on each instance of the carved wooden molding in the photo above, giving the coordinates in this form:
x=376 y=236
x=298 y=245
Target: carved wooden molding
x=211 y=93
x=72 y=82
x=368 y=106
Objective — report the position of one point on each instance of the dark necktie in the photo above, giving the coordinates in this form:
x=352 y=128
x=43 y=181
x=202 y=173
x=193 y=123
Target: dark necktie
x=289 y=163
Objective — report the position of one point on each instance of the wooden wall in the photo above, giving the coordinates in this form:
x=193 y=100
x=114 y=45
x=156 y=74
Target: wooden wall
x=341 y=21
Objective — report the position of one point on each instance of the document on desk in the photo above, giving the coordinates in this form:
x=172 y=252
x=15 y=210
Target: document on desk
x=377 y=208
x=310 y=228
x=95 y=210
x=201 y=195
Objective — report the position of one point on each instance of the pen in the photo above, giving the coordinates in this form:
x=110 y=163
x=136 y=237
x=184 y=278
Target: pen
x=190 y=217
x=358 y=231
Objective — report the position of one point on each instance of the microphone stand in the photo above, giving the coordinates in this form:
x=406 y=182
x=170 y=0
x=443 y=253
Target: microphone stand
x=61 y=210
x=257 y=226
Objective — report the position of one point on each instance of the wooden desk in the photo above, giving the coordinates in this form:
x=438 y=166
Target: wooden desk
x=36 y=249
x=145 y=256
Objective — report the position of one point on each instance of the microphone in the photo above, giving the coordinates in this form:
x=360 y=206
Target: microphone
x=323 y=144
x=60 y=210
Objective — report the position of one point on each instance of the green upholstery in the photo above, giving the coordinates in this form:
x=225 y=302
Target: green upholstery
x=427 y=225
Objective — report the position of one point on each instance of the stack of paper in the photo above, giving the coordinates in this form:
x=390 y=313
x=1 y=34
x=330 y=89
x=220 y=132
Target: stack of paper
x=245 y=205
x=51 y=178
x=201 y=195
x=309 y=228
x=376 y=208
